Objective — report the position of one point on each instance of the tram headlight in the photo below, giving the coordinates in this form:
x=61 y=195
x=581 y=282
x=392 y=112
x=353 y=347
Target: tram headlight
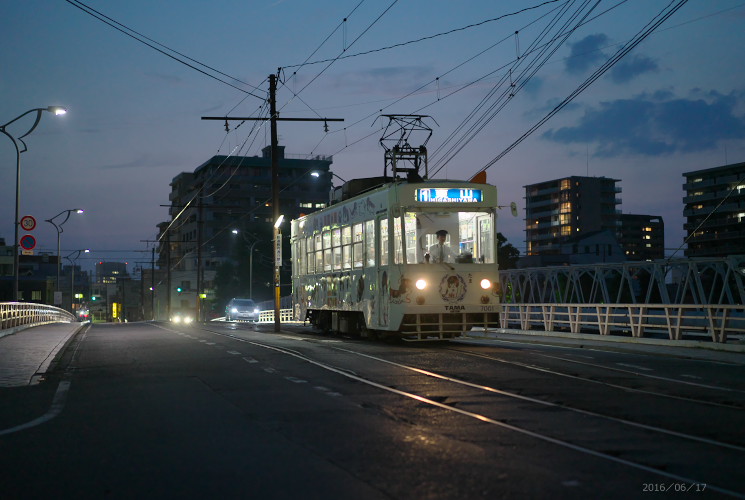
x=421 y=284
x=485 y=284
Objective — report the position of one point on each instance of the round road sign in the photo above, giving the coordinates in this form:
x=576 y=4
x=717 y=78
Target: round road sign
x=27 y=242
x=28 y=223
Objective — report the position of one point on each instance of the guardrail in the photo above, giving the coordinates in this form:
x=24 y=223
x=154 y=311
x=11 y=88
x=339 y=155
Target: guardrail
x=16 y=314
x=715 y=321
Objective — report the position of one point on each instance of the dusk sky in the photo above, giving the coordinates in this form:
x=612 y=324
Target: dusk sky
x=674 y=103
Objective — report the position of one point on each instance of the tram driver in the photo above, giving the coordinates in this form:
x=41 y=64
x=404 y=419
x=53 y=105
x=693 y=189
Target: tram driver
x=440 y=251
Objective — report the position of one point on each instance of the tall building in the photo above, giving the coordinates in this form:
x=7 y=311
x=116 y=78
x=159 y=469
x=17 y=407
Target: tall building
x=558 y=210
x=715 y=211
x=642 y=237
x=234 y=193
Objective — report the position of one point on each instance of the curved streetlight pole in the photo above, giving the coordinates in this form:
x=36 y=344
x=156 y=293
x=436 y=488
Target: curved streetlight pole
x=59 y=229
x=57 y=110
x=73 y=260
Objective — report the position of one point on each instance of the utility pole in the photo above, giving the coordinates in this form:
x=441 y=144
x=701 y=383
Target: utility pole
x=273 y=118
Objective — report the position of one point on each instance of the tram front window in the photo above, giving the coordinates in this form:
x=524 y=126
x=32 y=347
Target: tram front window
x=469 y=236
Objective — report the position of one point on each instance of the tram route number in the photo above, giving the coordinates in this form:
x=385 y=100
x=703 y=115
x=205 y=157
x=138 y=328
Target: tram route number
x=677 y=487
x=488 y=308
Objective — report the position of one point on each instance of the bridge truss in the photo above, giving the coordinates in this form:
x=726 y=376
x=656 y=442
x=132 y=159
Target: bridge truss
x=675 y=298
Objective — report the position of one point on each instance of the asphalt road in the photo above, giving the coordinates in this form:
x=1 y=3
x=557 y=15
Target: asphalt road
x=229 y=411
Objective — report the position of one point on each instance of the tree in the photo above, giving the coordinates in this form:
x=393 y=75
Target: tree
x=507 y=254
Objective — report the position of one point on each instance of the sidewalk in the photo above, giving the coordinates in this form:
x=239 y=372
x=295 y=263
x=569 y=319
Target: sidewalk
x=25 y=356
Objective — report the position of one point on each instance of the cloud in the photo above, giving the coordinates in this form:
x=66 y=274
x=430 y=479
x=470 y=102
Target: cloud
x=585 y=53
x=629 y=68
x=654 y=125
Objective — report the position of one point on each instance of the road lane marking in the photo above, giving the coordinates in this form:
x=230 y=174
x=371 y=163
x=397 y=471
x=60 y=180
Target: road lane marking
x=60 y=396
x=249 y=359
x=636 y=367
x=232 y=352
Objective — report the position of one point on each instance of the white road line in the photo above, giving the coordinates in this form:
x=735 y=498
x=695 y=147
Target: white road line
x=60 y=396
x=636 y=367
x=232 y=352
x=296 y=380
x=249 y=360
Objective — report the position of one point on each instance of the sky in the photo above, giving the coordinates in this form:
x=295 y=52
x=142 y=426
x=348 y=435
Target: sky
x=485 y=72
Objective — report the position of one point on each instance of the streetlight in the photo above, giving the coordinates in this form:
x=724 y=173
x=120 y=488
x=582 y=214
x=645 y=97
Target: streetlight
x=250 y=265
x=318 y=174
x=59 y=229
x=73 y=260
x=57 y=110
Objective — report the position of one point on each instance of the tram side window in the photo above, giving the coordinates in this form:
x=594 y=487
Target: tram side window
x=346 y=248
x=311 y=260
x=327 y=262
x=336 y=245
x=358 y=249
x=411 y=239
x=398 y=253
x=370 y=243
x=383 y=242
x=298 y=263
x=318 y=247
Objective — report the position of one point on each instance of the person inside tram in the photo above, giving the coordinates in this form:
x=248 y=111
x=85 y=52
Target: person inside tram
x=440 y=251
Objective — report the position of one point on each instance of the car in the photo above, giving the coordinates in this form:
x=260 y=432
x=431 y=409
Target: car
x=241 y=310
x=181 y=317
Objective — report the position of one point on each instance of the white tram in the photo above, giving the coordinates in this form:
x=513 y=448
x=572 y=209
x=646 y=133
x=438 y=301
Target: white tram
x=365 y=265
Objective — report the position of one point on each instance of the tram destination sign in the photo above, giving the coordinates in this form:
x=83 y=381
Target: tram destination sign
x=449 y=195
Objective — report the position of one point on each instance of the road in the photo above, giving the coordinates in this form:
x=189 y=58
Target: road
x=232 y=411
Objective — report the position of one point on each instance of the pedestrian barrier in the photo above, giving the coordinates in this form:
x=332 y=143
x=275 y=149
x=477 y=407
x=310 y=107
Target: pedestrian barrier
x=17 y=314
x=715 y=321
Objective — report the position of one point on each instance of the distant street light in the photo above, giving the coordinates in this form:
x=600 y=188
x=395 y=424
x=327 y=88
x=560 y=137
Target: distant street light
x=59 y=229
x=250 y=264
x=73 y=261
x=318 y=174
x=57 y=110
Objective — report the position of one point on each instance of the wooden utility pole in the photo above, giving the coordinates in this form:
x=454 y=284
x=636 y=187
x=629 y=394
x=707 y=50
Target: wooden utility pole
x=273 y=118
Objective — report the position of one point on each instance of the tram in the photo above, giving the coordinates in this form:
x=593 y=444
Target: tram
x=403 y=257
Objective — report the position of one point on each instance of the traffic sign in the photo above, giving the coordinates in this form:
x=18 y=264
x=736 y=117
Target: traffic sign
x=27 y=242
x=28 y=223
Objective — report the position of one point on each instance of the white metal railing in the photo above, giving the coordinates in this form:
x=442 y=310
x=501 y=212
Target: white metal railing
x=14 y=314
x=715 y=321
x=285 y=316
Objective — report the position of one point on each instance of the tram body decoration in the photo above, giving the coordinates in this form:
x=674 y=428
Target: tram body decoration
x=364 y=265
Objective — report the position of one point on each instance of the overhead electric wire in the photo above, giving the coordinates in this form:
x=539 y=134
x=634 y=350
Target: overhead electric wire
x=425 y=38
x=134 y=35
x=638 y=38
x=542 y=56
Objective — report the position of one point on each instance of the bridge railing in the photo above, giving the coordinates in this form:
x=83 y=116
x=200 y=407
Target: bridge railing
x=676 y=321
x=285 y=316
x=17 y=314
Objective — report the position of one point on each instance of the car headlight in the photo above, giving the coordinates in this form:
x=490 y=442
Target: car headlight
x=485 y=284
x=187 y=319
x=234 y=310
x=176 y=319
x=256 y=311
x=421 y=284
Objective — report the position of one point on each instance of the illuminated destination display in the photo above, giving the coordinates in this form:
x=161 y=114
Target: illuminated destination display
x=449 y=195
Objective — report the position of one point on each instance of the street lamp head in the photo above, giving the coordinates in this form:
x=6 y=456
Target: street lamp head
x=79 y=210
x=57 y=110
x=315 y=174
x=234 y=231
x=87 y=250
x=279 y=221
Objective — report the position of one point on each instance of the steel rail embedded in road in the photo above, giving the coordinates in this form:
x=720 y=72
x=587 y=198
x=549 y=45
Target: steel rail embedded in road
x=502 y=424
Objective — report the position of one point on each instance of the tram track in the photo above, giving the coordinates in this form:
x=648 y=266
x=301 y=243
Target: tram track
x=550 y=371
x=527 y=422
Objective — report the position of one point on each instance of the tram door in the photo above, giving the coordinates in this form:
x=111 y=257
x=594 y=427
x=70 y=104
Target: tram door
x=382 y=298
